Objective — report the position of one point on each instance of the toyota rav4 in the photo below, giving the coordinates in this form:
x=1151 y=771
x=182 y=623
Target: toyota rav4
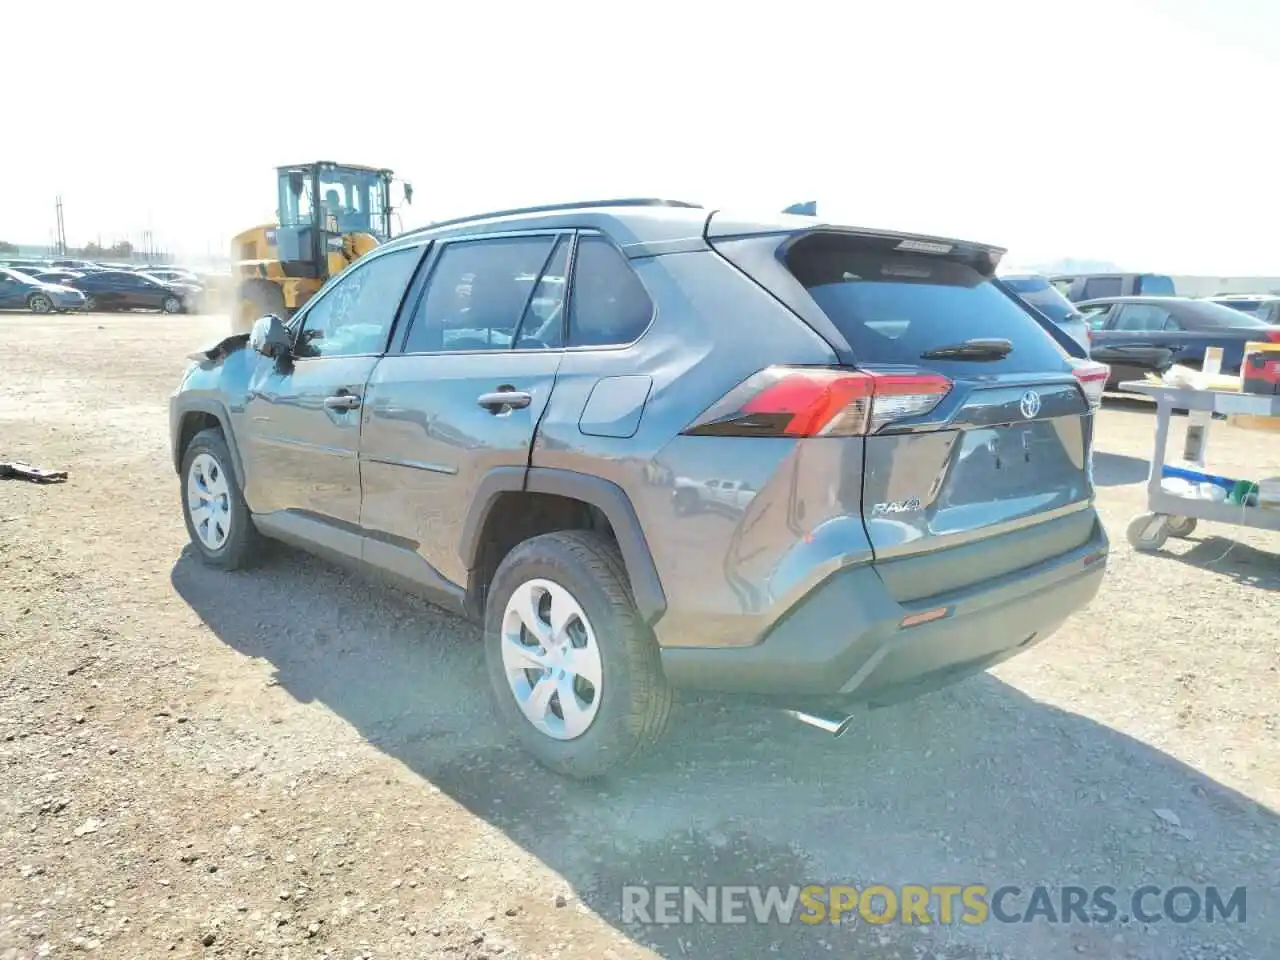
x=652 y=446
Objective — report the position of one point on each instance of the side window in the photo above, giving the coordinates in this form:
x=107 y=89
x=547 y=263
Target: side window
x=1101 y=287
x=1141 y=316
x=355 y=315
x=1063 y=285
x=608 y=304
x=477 y=294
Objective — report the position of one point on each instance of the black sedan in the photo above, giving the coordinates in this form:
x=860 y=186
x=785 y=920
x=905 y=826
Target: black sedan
x=1140 y=335
x=123 y=290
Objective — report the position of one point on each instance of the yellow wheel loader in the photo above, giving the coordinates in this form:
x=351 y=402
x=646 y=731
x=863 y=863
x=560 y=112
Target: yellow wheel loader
x=330 y=215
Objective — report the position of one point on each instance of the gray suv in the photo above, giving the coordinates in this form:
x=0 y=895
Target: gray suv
x=653 y=446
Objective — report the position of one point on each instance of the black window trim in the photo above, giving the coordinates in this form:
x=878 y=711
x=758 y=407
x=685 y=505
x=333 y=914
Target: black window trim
x=440 y=246
x=298 y=321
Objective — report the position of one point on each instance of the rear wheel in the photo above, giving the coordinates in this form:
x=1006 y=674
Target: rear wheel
x=574 y=669
x=39 y=303
x=90 y=304
x=171 y=305
x=1181 y=527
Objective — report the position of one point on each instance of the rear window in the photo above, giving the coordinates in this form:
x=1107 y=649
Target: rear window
x=1155 y=285
x=1103 y=287
x=1205 y=314
x=1244 y=306
x=892 y=307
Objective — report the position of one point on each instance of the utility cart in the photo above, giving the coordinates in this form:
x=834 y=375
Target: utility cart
x=1169 y=515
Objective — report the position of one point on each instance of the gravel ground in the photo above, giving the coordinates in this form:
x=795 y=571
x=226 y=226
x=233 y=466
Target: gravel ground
x=293 y=762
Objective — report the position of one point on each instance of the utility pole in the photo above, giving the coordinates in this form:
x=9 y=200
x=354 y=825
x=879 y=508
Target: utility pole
x=60 y=240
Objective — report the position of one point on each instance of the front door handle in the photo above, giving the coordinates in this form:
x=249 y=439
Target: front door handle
x=342 y=401
x=501 y=400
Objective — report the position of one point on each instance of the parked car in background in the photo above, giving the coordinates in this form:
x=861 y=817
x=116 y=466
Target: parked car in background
x=1039 y=293
x=79 y=265
x=1091 y=286
x=25 y=265
x=1262 y=306
x=21 y=291
x=172 y=275
x=899 y=452
x=62 y=277
x=123 y=290
x=1140 y=335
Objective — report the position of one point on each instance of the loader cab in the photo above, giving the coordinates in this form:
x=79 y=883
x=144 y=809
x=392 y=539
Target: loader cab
x=319 y=203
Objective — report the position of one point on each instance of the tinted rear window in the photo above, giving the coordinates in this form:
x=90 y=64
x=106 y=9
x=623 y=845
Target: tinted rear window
x=1205 y=314
x=1155 y=285
x=892 y=307
x=1103 y=287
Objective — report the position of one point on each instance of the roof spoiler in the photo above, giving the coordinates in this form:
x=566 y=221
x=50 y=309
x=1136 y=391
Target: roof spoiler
x=806 y=208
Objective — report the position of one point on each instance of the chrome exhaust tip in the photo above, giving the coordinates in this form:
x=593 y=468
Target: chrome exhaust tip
x=837 y=725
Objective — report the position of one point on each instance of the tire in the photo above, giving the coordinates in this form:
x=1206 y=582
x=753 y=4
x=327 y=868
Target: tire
x=632 y=700
x=171 y=305
x=686 y=502
x=257 y=298
x=39 y=303
x=1148 y=532
x=1181 y=527
x=241 y=543
x=90 y=304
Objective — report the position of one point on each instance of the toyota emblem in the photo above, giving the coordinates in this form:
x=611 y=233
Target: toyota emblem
x=1030 y=404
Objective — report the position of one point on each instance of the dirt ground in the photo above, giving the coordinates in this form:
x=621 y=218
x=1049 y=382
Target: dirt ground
x=293 y=762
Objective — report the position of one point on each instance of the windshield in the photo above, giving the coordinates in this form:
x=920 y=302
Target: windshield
x=350 y=201
x=1044 y=296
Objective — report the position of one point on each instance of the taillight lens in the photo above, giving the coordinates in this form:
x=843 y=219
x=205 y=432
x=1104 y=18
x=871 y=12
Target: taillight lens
x=1274 y=335
x=1093 y=377
x=819 y=402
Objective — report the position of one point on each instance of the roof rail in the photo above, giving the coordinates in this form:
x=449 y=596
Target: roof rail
x=554 y=207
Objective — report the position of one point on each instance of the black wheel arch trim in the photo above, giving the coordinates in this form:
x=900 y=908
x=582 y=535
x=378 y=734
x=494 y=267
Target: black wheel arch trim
x=216 y=410
x=609 y=498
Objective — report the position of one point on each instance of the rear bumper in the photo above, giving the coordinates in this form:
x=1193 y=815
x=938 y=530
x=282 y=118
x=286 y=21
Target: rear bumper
x=844 y=642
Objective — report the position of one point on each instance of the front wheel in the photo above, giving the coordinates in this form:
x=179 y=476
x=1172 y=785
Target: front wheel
x=39 y=303
x=213 y=506
x=171 y=305
x=574 y=669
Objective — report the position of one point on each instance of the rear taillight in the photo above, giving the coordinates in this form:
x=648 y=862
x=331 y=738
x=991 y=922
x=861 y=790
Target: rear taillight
x=819 y=402
x=1093 y=377
x=1274 y=335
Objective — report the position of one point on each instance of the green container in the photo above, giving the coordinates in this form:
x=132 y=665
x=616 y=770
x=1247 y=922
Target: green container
x=1242 y=490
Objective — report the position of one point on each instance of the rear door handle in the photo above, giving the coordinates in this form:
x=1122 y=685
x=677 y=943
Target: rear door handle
x=342 y=401
x=499 y=400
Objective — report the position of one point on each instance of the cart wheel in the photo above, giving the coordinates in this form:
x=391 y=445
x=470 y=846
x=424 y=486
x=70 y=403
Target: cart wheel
x=1181 y=526
x=1148 y=531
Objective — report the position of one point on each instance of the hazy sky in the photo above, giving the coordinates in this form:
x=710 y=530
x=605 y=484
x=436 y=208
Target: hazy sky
x=1140 y=131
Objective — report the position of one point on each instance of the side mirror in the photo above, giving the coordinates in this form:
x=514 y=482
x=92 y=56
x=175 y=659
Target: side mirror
x=408 y=192
x=270 y=337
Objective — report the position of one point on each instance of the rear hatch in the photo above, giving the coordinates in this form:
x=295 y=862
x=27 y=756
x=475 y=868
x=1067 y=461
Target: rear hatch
x=979 y=435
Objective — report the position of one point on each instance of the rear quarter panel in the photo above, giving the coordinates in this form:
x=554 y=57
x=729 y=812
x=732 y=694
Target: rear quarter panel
x=724 y=565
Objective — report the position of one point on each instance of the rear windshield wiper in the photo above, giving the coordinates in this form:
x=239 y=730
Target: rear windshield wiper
x=976 y=349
